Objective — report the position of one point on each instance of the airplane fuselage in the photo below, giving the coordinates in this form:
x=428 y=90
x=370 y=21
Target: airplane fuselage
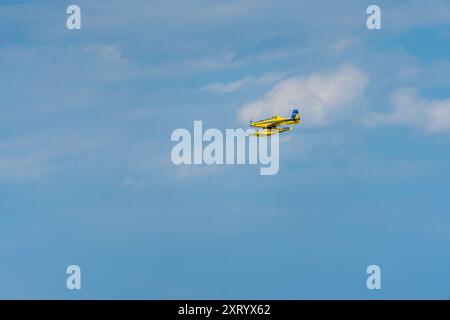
x=266 y=123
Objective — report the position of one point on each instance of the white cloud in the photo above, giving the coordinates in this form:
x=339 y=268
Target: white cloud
x=321 y=97
x=409 y=109
x=219 y=87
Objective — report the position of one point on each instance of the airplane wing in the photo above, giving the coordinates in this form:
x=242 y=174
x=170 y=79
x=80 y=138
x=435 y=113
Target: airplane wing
x=275 y=123
x=270 y=123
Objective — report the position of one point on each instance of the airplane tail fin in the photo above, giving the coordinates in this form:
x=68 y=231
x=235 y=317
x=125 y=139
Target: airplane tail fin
x=295 y=114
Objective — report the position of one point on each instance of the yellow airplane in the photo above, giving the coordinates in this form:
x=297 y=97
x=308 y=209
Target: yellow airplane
x=271 y=126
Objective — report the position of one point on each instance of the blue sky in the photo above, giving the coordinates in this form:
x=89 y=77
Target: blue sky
x=85 y=170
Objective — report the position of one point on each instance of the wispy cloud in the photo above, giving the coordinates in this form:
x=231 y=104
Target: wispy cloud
x=22 y=168
x=414 y=13
x=219 y=87
x=343 y=44
x=109 y=53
